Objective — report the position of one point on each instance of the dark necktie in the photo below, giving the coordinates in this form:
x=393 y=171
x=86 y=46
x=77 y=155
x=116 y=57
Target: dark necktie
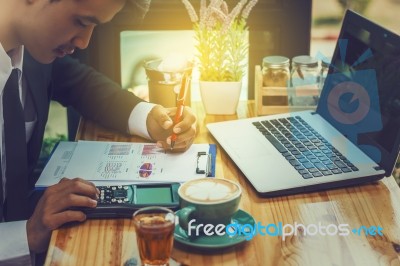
x=16 y=151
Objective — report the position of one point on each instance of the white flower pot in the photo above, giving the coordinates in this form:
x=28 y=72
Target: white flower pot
x=220 y=97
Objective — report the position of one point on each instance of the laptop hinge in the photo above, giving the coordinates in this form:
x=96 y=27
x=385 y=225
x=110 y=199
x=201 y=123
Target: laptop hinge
x=378 y=168
x=314 y=113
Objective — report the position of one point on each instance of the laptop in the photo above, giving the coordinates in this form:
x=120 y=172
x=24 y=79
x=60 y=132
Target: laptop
x=352 y=137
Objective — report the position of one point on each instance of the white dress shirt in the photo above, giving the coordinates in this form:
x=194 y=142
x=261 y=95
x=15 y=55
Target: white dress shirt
x=15 y=249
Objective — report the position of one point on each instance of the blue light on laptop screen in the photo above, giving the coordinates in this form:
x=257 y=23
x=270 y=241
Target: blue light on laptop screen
x=361 y=95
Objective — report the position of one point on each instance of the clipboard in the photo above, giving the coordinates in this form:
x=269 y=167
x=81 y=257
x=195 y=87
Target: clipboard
x=71 y=159
x=206 y=161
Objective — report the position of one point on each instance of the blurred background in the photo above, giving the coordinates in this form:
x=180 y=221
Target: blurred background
x=327 y=16
x=326 y=22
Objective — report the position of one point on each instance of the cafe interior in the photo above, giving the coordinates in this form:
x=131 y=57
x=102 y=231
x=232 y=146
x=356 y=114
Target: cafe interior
x=361 y=223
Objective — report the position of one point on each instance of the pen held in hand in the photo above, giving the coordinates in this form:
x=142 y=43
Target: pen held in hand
x=180 y=105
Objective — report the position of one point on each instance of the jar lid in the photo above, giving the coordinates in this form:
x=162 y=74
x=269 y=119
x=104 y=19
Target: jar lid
x=275 y=61
x=305 y=60
x=325 y=61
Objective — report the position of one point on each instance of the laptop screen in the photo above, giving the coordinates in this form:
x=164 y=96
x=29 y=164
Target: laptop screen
x=361 y=95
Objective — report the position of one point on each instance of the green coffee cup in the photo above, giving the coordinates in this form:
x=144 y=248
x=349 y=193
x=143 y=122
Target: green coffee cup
x=208 y=201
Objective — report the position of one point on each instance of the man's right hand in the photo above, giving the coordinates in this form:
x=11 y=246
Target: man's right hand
x=53 y=210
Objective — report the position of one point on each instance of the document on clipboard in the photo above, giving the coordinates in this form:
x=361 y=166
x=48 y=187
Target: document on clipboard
x=111 y=163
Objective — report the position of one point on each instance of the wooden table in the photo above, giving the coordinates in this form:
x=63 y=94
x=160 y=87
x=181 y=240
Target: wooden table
x=112 y=242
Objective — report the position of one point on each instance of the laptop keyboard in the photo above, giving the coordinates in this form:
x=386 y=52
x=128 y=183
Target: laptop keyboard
x=304 y=148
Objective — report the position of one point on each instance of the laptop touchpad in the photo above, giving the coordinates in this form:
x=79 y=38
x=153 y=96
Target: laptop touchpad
x=248 y=148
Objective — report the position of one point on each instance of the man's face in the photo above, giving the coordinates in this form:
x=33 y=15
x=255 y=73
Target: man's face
x=54 y=29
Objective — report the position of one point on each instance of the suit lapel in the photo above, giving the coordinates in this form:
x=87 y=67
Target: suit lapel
x=38 y=77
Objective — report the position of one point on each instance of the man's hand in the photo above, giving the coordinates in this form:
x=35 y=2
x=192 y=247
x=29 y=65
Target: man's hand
x=160 y=127
x=53 y=210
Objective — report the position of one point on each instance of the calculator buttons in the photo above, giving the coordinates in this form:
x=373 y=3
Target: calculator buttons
x=113 y=194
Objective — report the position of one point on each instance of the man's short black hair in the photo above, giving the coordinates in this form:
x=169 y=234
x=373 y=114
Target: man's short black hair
x=139 y=7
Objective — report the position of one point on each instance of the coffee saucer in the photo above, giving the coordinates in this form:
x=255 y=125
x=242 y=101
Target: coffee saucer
x=215 y=241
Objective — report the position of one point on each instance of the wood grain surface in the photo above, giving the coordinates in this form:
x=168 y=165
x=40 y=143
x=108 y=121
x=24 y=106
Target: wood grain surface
x=112 y=241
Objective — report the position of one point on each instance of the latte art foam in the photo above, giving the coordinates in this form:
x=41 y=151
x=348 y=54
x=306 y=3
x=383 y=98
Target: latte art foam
x=209 y=191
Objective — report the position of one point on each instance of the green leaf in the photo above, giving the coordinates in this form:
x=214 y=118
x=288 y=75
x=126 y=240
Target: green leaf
x=221 y=56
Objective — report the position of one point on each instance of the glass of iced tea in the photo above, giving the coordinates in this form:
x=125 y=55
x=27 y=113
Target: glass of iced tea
x=155 y=234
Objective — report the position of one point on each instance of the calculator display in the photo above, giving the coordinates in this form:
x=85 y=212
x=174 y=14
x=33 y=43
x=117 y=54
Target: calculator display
x=153 y=195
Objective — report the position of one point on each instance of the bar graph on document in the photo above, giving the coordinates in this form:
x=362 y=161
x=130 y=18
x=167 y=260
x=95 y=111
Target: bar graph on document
x=108 y=162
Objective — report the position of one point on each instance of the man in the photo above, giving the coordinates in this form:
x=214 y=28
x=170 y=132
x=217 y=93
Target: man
x=48 y=30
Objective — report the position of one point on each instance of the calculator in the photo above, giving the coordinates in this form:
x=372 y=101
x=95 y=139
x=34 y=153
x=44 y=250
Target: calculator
x=121 y=201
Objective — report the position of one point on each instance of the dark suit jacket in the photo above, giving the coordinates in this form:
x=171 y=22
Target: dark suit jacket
x=72 y=84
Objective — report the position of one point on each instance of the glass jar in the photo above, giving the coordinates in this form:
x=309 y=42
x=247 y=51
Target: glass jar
x=304 y=81
x=325 y=62
x=276 y=76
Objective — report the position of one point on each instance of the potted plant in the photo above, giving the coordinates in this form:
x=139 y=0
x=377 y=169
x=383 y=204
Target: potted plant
x=222 y=48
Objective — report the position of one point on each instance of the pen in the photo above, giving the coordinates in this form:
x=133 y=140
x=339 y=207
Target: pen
x=180 y=104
